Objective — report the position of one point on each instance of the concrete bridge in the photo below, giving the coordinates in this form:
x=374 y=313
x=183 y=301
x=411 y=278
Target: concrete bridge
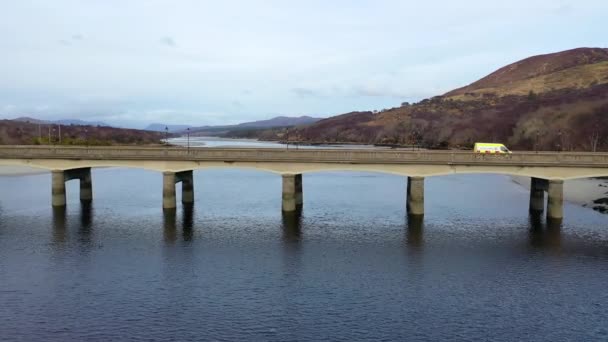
x=548 y=170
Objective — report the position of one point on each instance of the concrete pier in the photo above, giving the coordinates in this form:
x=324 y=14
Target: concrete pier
x=538 y=186
x=415 y=196
x=169 y=190
x=58 y=188
x=169 y=181
x=86 y=185
x=299 y=193
x=292 y=192
x=59 y=177
x=555 y=199
x=187 y=186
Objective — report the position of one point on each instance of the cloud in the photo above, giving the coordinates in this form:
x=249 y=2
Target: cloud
x=75 y=38
x=563 y=9
x=306 y=92
x=168 y=41
x=67 y=61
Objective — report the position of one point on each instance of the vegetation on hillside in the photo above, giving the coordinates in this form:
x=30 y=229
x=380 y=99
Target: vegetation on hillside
x=27 y=133
x=549 y=102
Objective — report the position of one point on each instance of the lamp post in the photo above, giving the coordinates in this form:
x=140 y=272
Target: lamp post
x=559 y=140
x=536 y=144
x=166 y=135
x=287 y=138
x=188 y=134
x=86 y=137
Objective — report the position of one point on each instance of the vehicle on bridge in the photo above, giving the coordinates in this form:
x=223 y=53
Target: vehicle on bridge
x=491 y=148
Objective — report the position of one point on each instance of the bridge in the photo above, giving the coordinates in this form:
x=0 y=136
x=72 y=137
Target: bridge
x=548 y=170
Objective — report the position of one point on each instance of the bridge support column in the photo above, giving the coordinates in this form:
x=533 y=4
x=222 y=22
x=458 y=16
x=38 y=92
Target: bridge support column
x=299 y=193
x=169 y=190
x=187 y=186
x=555 y=199
x=86 y=186
x=58 y=188
x=169 y=181
x=59 y=177
x=292 y=192
x=537 y=195
x=415 y=196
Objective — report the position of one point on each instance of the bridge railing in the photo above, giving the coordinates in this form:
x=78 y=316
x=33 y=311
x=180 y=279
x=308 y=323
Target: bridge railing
x=361 y=156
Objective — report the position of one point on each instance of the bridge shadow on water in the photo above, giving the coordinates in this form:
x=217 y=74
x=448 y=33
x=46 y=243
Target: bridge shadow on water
x=541 y=233
x=414 y=231
x=170 y=226
x=544 y=233
x=291 y=224
x=85 y=223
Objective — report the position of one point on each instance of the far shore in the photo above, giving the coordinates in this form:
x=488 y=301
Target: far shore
x=588 y=192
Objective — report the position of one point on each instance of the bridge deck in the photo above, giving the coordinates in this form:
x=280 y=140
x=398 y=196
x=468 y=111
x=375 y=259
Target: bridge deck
x=348 y=156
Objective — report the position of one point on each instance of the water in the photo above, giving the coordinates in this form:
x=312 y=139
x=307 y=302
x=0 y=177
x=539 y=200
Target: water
x=350 y=267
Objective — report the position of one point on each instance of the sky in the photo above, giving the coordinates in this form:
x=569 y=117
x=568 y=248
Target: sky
x=131 y=63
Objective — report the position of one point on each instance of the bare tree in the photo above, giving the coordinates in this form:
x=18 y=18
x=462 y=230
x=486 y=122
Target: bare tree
x=594 y=140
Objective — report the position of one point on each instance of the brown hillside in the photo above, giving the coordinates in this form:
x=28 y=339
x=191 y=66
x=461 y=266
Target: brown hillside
x=28 y=133
x=568 y=69
x=551 y=102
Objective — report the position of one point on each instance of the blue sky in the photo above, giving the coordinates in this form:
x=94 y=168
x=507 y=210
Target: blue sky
x=217 y=62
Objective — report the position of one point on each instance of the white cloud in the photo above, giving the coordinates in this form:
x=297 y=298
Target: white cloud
x=168 y=41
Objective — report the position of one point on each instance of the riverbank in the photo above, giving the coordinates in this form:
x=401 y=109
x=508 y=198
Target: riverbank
x=589 y=192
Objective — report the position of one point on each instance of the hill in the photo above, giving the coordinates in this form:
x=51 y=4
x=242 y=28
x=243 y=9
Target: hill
x=574 y=69
x=553 y=101
x=280 y=121
x=253 y=128
x=157 y=127
x=61 y=121
x=18 y=132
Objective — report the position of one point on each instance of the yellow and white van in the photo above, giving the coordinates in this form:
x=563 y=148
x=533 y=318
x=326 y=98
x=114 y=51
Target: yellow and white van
x=490 y=148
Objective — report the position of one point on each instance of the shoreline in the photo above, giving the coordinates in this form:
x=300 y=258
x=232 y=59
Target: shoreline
x=590 y=193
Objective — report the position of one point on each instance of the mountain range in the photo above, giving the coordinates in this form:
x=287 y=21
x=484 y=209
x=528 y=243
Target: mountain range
x=245 y=128
x=62 y=121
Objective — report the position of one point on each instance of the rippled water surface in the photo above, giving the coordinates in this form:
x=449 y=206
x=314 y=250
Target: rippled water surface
x=350 y=267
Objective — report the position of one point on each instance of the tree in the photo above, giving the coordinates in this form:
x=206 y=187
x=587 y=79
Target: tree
x=594 y=140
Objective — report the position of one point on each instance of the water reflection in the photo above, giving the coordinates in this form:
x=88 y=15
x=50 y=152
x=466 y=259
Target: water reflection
x=86 y=219
x=545 y=233
x=292 y=226
x=188 y=221
x=170 y=224
x=415 y=231
x=59 y=225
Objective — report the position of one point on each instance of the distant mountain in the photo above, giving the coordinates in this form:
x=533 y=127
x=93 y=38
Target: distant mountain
x=281 y=121
x=30 y=120
x=76 y=122
x=157 y=127
x=556 y=101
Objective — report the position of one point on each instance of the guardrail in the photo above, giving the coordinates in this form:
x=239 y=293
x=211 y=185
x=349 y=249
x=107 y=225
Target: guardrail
x=353 y=156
